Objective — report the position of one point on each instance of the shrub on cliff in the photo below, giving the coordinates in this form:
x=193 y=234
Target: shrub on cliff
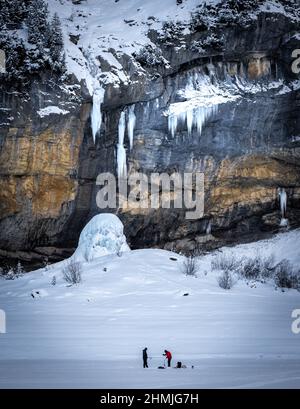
x=150 y=56
x=172 y=31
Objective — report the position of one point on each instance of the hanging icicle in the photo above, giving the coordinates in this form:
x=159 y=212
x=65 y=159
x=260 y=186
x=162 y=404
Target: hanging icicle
x=194 y=118
x=283 y=206
x=131 y=124
x=96 y=116
x=208 y=228
x=121 y=152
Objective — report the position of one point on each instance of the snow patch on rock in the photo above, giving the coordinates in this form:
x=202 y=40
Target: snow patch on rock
x=52 y=109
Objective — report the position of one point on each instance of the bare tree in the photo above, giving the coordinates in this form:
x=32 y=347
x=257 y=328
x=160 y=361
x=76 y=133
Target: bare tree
x=225 y=263
x=225 y=280
x=285 y=276
x=72 y=272
x=189 y=266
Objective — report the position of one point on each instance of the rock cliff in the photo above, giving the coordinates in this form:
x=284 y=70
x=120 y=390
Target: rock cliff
x=248 y=146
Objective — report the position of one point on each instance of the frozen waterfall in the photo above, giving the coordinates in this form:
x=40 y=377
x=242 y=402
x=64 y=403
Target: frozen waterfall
x=131 y=124
x=128 y=115
x=96 y=117
x=283 y=206
x=121 y=152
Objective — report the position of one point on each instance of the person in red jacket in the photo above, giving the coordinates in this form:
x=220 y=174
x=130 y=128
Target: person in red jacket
x=168 y=355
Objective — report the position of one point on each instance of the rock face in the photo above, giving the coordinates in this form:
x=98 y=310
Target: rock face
x=39 y=160
x=247 y=149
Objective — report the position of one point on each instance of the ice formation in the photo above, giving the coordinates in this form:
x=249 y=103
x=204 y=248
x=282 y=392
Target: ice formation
x=283 y=206
x=204 y=90
x=201 y=96
x=208 y=228
x=121 y=152
x=193 y=117
x=131 y=124
x=96 y=117
x=102 y=235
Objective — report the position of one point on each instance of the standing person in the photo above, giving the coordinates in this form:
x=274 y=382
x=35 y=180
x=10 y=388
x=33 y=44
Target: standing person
x=168 y=355
x=145 y=358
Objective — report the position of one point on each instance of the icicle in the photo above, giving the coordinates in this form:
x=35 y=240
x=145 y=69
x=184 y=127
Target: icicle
x=204 y=94
x=208 y=228
x=242 y=71
x=201 y=115
x=121 y=152
x=157 y=103
x=96 y=117
x=189 y=121
x=146 y=106
x=283 y=206
x=200 y=118
x=283 y=200
x=211 y=70
x=172 y=124
x=192 y=117
x=131 y=124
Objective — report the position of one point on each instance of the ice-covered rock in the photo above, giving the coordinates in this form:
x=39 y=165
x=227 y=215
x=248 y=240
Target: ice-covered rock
x=102 y=235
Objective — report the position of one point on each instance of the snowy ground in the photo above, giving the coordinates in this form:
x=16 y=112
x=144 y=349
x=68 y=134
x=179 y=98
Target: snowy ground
x=92 y=334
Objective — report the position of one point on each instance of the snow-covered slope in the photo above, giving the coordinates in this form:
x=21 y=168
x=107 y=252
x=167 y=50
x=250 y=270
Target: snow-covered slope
x=106 y=28
x=92 y=334
x=106 y=25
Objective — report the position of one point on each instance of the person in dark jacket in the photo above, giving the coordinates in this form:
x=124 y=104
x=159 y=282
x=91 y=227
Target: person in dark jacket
x=145 y=358
x=168 y=355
